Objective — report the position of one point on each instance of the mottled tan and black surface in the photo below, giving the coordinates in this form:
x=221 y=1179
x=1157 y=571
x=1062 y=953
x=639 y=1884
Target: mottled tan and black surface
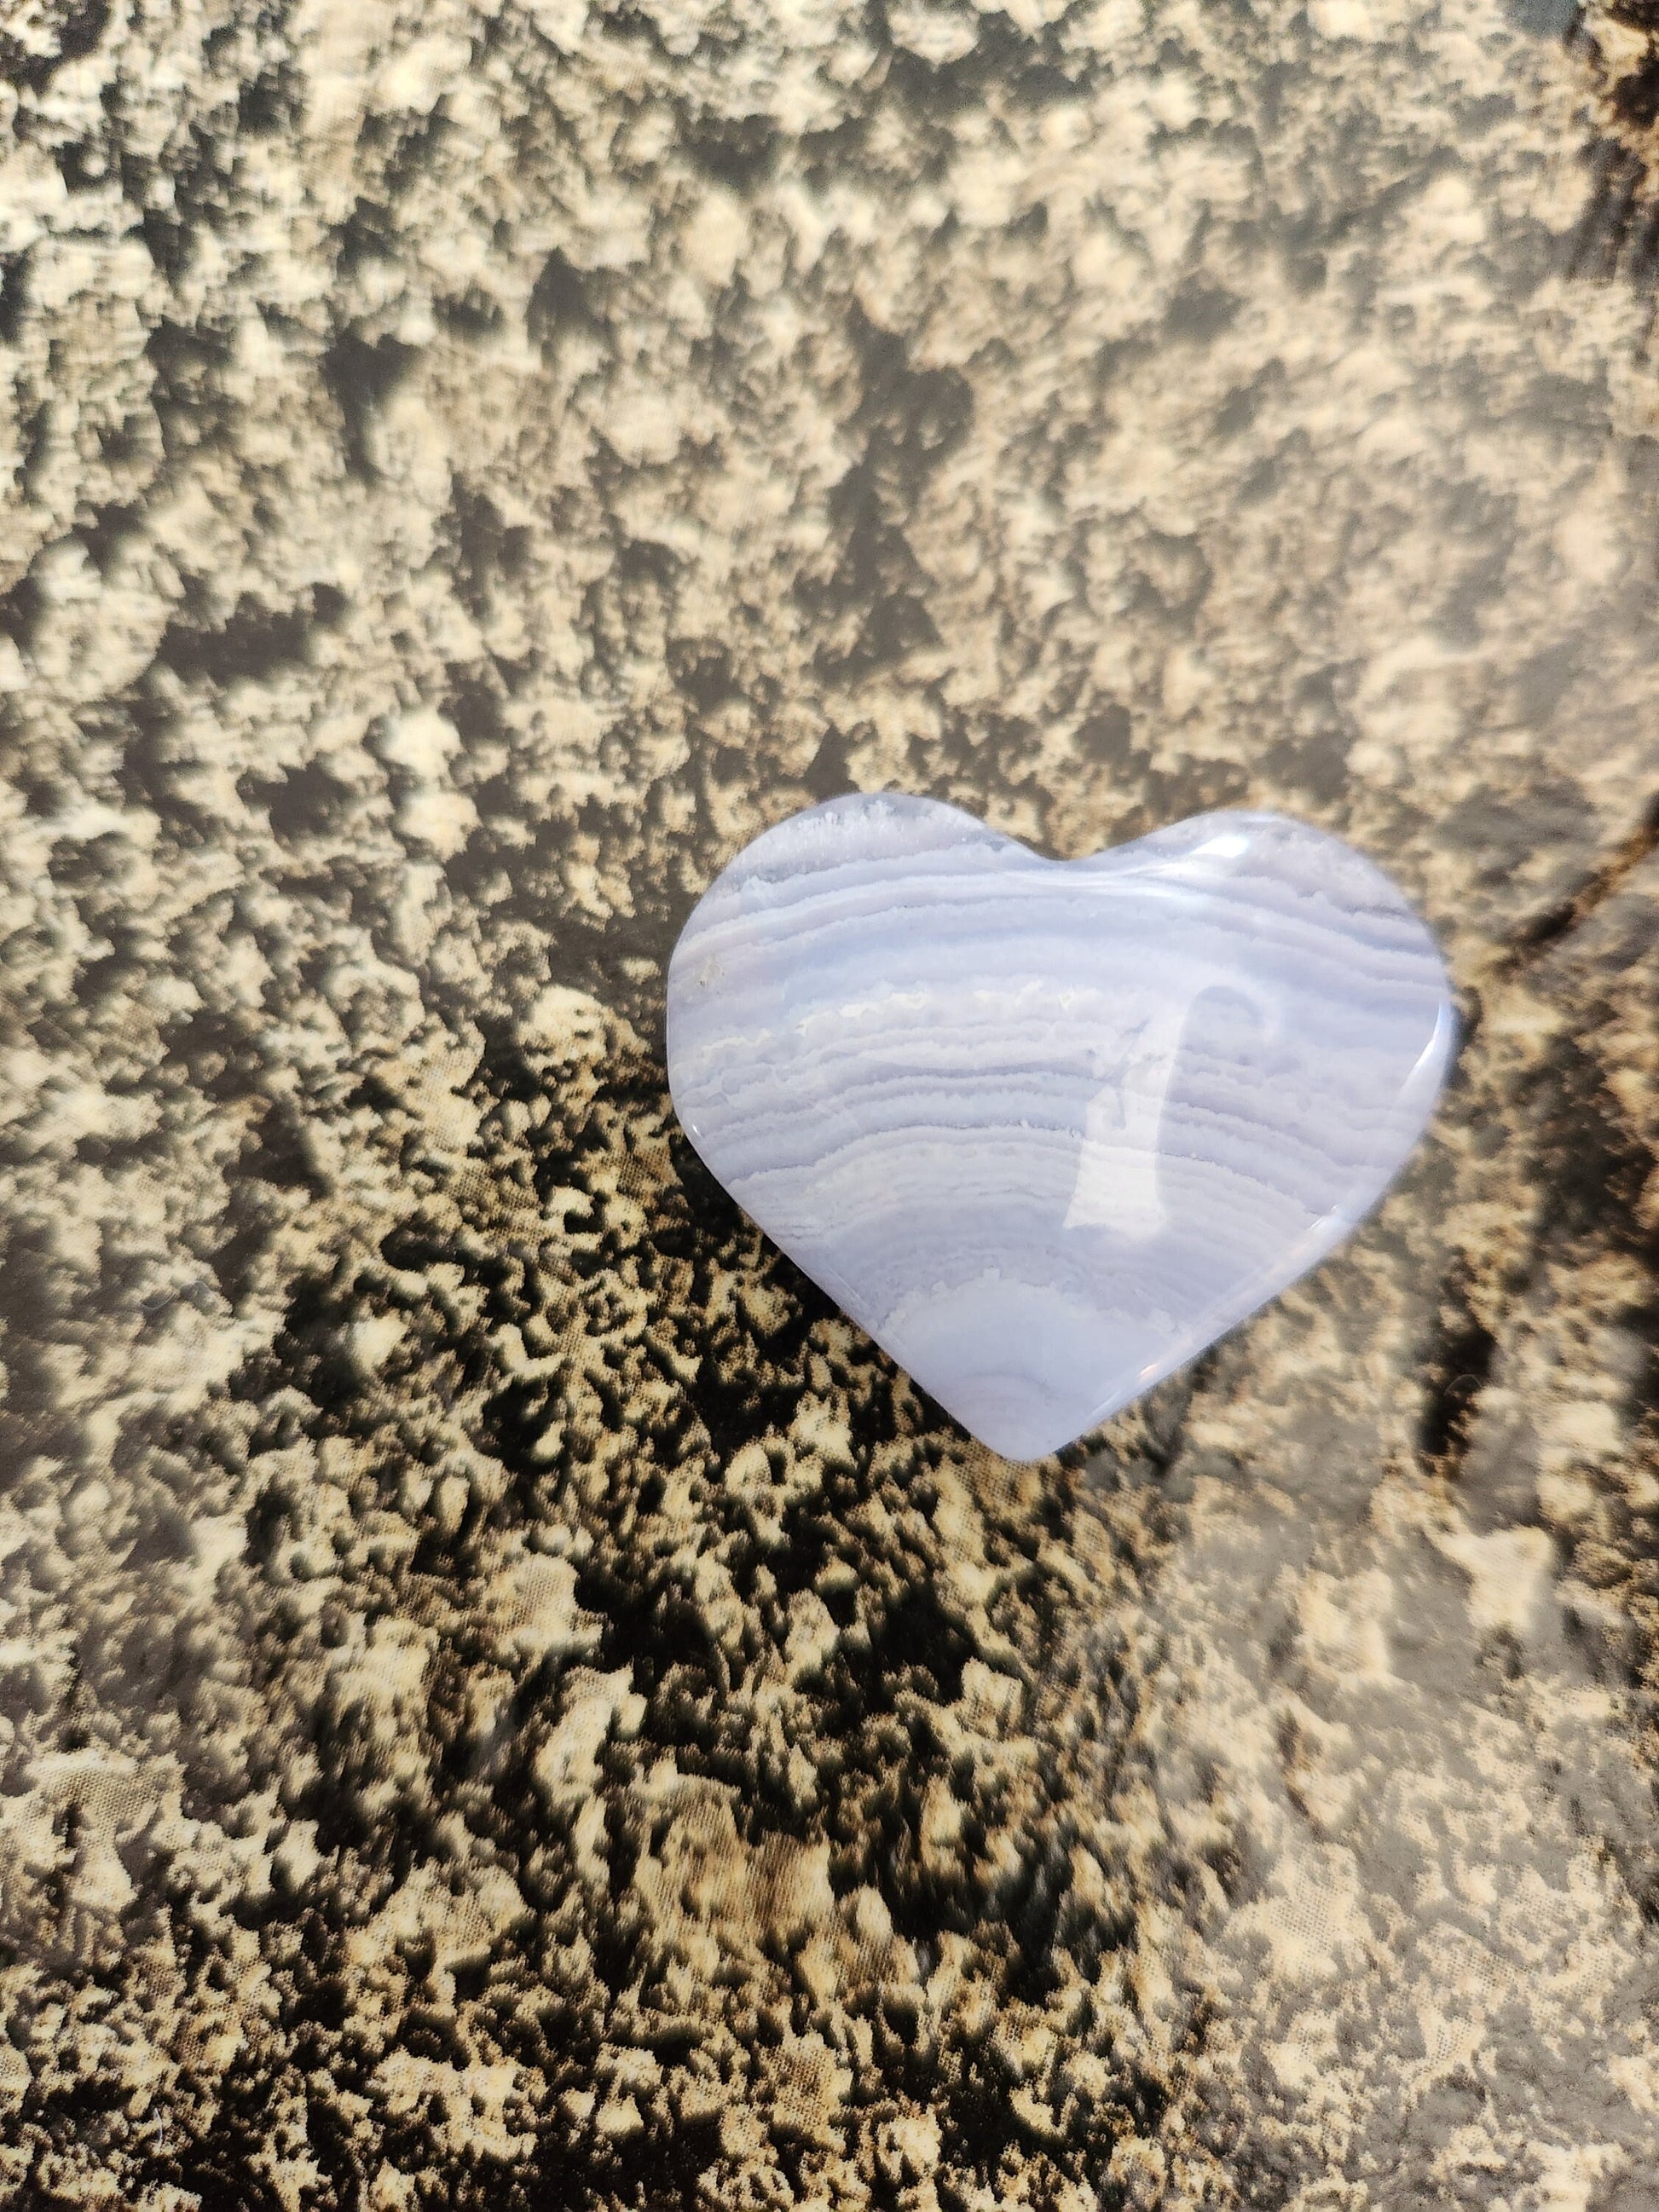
x=506 y=1700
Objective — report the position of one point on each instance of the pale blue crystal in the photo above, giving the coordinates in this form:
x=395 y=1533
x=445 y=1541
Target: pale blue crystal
x=1047 y=1129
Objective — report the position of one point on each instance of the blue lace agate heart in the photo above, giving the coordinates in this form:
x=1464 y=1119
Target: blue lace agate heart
x=1047 y=1129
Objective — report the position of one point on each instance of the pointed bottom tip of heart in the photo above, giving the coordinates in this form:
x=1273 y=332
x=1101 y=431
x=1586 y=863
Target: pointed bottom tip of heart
x=1018 y=1422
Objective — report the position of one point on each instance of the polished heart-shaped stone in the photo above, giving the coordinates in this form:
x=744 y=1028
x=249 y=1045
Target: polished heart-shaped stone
x=1046 y=1129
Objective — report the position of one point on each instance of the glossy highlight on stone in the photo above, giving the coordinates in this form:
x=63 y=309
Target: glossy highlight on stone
x=1046 y=1129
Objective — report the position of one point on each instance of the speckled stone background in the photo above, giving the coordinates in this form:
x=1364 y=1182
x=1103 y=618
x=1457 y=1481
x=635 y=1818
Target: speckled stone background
x=505 y=1700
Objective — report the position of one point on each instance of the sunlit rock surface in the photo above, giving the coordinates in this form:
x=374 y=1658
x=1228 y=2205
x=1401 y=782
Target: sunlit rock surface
x=507 y=1700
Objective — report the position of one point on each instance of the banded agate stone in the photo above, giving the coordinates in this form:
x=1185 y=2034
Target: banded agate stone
x=1044 y=1129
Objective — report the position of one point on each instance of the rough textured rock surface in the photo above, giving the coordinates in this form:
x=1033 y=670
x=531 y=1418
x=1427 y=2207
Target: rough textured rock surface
x=505 y=1699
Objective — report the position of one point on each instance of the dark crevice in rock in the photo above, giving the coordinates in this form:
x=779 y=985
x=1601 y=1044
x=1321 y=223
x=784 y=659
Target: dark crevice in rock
x=1559 y=921
x=1458 y=1365
x=362 y=373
